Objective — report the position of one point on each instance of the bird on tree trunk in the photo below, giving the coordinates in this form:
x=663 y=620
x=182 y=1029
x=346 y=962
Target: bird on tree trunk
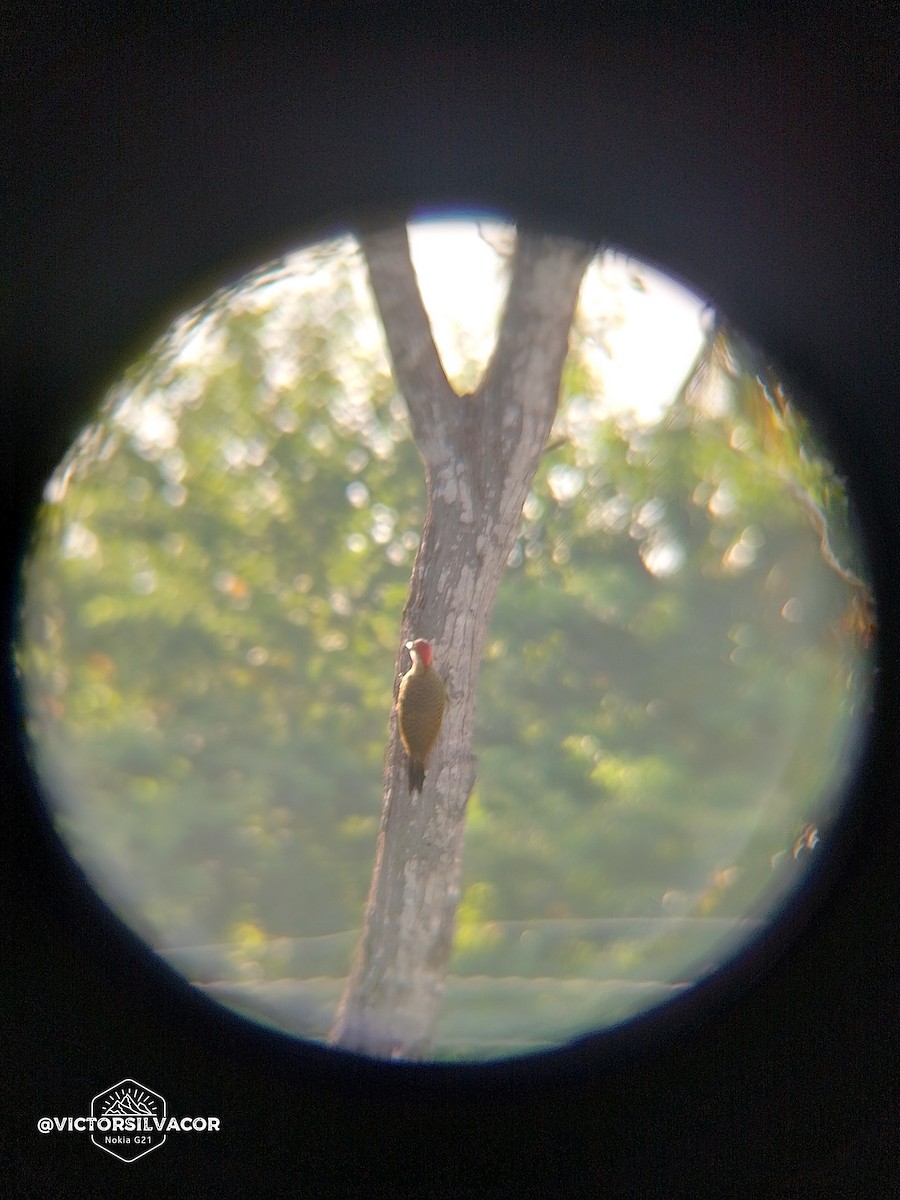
x=420 y=710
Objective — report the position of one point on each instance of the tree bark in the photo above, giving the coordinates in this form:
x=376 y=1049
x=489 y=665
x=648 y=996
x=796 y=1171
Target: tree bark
x=480 y=453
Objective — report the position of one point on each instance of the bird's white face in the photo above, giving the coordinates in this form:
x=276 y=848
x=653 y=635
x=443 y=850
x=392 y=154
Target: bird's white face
x=420 y=649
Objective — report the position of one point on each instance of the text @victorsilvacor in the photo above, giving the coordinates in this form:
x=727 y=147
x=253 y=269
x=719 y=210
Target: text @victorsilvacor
x=137 y=1124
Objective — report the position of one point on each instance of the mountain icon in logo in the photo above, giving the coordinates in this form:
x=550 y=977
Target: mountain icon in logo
x=131 y=1101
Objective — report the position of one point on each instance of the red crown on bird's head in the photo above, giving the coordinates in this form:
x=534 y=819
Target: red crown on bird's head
x=423 y=649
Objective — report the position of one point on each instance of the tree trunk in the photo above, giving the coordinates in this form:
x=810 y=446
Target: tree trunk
x=480 y=453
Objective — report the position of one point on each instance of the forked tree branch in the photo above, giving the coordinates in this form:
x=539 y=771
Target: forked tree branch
x=480 y=453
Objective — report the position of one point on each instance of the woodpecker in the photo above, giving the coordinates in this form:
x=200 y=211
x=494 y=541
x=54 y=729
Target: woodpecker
x=420 y=710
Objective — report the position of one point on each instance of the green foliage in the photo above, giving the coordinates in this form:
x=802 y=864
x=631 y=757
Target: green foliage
x=211 y=619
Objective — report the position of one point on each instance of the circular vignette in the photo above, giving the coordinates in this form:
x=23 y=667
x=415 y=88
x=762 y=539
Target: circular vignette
x=755 y=371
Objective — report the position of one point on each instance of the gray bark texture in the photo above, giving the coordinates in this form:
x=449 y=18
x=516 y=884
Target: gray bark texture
x=480 y=454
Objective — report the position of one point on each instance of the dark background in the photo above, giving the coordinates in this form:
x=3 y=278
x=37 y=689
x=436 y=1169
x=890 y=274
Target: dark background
x=148 y=160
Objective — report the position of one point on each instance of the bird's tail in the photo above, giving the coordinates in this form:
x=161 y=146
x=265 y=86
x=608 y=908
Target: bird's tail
x=416 y=776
